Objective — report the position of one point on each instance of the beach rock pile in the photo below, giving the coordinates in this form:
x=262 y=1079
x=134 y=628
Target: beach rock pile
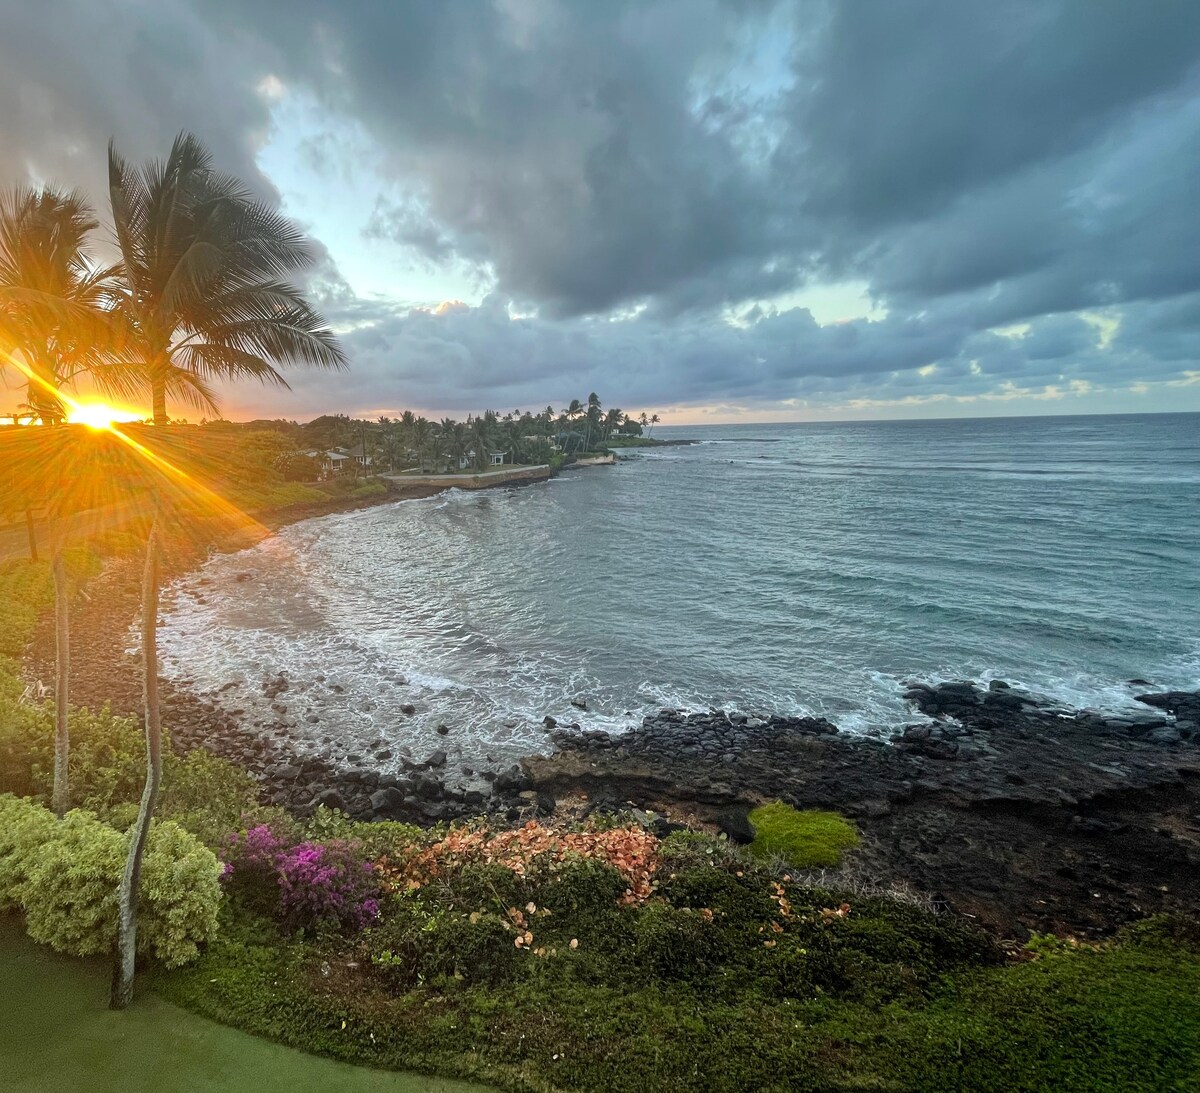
x=1008 y=806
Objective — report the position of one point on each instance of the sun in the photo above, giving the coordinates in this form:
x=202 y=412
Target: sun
x=98 y=415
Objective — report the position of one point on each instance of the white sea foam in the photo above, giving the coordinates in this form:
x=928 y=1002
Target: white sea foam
x=721 y=580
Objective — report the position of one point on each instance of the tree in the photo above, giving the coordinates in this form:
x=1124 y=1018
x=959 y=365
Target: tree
x=55 y=322
x=55 y=301
x=481 y=430
x=422 y=431
x=592 y=419
x=654 y=420
x=204 y=279
x=127 y=900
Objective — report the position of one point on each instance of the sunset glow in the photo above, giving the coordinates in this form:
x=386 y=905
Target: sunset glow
x=99 y=415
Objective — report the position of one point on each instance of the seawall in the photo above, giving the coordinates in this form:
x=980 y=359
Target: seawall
x=480 y=481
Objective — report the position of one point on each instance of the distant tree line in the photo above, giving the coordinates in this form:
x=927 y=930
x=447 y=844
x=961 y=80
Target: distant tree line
x=412 y=441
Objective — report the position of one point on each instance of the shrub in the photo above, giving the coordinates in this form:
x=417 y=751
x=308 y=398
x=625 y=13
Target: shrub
x=806 y=840
x=70 y=890
x=307 y=884
x=327 y=884
x=534 y=847
x=24 y=826
x=675 y=943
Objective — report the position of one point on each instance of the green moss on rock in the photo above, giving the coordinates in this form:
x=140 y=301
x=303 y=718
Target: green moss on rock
x=807 y=840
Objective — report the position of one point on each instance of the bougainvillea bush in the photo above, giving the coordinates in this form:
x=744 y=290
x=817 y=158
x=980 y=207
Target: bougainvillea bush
x=307 y=884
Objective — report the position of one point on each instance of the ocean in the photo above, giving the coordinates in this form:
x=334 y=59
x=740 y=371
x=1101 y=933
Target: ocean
x=794 y=568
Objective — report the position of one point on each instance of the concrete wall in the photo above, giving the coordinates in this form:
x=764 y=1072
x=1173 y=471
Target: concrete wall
x=480 y=481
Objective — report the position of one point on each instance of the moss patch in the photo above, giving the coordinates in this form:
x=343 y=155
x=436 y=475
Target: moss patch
x=807 y=840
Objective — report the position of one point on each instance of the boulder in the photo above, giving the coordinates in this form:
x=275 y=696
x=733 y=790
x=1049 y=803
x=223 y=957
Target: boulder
x=734 y=823
x=330 y=798
x=387 y=801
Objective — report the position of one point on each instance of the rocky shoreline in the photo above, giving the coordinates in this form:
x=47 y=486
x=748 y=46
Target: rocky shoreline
x=1003 y=805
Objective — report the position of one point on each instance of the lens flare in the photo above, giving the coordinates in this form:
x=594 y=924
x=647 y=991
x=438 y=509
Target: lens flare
x=98 y=415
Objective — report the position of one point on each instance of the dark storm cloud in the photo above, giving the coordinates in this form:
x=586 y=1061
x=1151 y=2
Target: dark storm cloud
x=977 y=163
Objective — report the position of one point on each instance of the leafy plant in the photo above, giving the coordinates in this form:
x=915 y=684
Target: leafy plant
x=806 y=840
x=67 y=884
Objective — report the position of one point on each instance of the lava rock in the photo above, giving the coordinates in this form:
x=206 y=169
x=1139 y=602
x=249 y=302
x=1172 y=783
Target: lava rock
x=734 y=824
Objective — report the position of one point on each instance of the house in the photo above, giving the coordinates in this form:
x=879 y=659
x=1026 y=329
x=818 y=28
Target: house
x=358 y=453
x=329 y=464
x=338 y=461
x=495 y=458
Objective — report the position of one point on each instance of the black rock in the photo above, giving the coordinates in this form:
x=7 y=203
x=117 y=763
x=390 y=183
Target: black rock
x=437 y=759
x=443 y=730
x=408 y=709
x=387 y=801
x=330 y=798
x=512 y=780
x=734 y=823
x=550 y=722
x=428 y=787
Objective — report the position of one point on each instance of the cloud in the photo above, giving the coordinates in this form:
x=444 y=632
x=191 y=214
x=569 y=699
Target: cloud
x=647 y=190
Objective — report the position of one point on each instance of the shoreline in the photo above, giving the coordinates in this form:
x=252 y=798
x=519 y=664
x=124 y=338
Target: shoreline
x=1001 y=808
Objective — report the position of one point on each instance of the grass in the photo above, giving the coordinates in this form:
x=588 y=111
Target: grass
x=806 y=840
x=1123 y=1017
x=60 y=1035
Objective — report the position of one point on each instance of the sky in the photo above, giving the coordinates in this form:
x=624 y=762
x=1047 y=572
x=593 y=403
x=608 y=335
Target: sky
x=716 y=210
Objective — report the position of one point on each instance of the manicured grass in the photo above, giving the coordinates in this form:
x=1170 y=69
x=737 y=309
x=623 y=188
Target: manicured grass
x=806 y=840
x=59 y=1036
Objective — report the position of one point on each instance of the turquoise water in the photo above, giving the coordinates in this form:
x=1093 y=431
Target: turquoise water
x=799 y=568
x=57 y=1035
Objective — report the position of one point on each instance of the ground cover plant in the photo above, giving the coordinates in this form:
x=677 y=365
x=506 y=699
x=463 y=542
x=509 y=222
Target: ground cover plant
x=808 y=839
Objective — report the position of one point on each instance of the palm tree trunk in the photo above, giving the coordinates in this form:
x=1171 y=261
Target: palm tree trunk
x=123 y=967
x=158 y=400
x=61 y=799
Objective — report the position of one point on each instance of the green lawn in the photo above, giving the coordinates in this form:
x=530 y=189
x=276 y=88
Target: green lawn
x=60 y=1037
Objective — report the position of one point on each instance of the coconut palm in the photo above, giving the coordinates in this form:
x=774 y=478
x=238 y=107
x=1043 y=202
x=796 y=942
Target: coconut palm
x=481 y=430
x=55 y=322
x=422 y=432
x=205 y=271
x=55 y=317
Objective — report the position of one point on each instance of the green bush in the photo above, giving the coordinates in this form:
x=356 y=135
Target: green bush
x=420 y=942
x=70 y=881
x=24 y=826
x=806 y=840
x=679 y=943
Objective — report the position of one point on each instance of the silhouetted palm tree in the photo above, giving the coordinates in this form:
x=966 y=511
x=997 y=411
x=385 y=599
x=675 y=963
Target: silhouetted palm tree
x=55 y=322
x=55 y=301
x=204 y=270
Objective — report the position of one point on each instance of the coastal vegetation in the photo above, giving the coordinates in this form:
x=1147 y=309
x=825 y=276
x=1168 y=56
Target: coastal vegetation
x=606 y=950
x=593 y=955
x=806 y=839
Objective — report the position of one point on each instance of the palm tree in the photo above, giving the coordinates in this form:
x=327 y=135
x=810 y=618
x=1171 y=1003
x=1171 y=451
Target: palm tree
x=592 y=417
x=481 y=438
x=55 y=317
x=55 y=322
x=612 y=420
x=654 y=420
x=422 y=430
x=204 y=271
